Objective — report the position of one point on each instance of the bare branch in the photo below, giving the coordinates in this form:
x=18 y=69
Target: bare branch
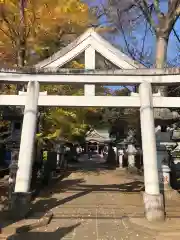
x=178 y=11
x=147 y=13
x=157 y=7
x=12 y=31
x=34 y=18
x=142 y=14
x=146 y=30
x=6 y=34
x=174 y=9
x=176 y=35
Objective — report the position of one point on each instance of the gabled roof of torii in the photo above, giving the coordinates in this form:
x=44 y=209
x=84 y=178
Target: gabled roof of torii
x=99 y=44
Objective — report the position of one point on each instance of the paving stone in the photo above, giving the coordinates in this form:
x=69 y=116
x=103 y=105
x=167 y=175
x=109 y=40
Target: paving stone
x=93 y=205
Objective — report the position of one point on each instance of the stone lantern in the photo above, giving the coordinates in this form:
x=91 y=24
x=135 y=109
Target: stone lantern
x=121 y=149
x=164 y=118
x=131 y=150
x=175 y=163
x=60 y=150
x=12 y=178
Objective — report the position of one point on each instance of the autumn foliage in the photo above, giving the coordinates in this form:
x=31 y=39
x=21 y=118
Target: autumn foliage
x=30 y=28
x=33 y=30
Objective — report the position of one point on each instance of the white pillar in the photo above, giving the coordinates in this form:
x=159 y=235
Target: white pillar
x=148 y=140
x=89 y=89
x=25 y=161
x=153 y=200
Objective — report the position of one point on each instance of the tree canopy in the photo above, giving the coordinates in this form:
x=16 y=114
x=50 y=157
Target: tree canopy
x=144 y=28
x=34 y=29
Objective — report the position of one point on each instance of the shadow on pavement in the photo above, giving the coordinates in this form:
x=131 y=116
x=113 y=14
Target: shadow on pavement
x=44 y=191
x=56 y=235
x=40 y=187
x=94 y=165
x=77 y=189
x=131 y=187
x=60 y=186
x=47 y=201
x=43 y=206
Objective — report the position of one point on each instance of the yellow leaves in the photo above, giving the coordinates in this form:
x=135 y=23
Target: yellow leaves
x=78 y=92
x=39 y=135
x=63 y=115
x=73 y=7
x=4 y=123
x=65 y=123
x=58 y=13
x=45 y=21
x=76 y=65
x=92 y=109
x=79 y=130
x=53 y=135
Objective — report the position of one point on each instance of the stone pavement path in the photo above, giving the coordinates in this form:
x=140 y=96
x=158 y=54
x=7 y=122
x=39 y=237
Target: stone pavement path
x=94 y=203
x=91 y=204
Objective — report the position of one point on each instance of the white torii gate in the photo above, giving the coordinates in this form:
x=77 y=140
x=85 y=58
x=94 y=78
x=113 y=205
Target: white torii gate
x=90 y=42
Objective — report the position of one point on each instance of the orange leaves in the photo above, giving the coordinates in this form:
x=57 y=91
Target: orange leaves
x=45 y=22
x=60 y=13
x=76 y=65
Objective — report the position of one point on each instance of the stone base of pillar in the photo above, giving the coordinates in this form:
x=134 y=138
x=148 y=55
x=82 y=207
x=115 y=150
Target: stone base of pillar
x=120 y=168
x=20 y=205
x=154 y=207
x=132 y=170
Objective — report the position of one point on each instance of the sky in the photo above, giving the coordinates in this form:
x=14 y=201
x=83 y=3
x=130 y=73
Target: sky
x=173 y=52
x=118 y=40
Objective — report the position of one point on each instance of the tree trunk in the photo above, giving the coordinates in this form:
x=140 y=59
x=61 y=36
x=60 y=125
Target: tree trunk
x=160 y=61
x=161 y=52
x=21 y=53
x=21 y=45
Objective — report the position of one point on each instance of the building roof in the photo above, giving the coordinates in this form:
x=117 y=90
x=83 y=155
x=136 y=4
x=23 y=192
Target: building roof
x=89 y=39
x=94 y=135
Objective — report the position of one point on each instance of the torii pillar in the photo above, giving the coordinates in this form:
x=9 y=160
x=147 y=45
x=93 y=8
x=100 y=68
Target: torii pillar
x=153 y=200
x=21 y=198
